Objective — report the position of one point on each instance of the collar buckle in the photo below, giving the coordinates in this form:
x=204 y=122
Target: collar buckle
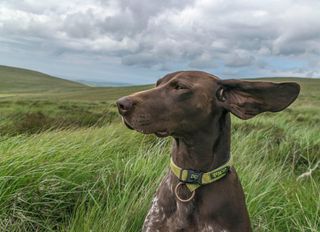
x=193 y=177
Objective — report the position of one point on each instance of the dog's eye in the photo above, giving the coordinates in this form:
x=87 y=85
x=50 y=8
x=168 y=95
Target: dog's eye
x=179 y=86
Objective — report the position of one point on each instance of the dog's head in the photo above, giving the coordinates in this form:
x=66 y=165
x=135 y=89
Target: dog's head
x=183 y=102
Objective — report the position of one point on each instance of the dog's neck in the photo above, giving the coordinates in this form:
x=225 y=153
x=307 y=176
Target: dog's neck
x=205 y=149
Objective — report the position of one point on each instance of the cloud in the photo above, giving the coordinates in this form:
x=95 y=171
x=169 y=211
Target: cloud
x=205 y=34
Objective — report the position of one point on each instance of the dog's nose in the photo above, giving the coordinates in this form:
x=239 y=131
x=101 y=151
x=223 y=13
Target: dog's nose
x=124 y=105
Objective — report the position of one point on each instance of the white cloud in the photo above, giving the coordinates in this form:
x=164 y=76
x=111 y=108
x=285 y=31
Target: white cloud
x=197 y=33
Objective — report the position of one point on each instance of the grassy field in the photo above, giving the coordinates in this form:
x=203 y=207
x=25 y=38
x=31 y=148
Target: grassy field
x=31 y=102
x=68 y=164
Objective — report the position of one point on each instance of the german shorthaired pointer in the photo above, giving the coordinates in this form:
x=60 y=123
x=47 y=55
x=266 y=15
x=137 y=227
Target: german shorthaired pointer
x=201 y=191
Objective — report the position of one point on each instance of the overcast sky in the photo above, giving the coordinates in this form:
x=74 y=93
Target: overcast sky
x=138 y=41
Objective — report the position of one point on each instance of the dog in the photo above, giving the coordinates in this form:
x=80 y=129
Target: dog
x=201 y=191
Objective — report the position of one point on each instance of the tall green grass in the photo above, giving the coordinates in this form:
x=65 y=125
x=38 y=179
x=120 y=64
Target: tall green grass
x=29 y=116
x=103 y=179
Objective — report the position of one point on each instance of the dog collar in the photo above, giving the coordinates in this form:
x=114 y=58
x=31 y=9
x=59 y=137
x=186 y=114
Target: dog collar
x=194 y=178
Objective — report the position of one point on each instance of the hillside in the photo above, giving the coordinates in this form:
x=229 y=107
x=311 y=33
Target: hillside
x=23 y=84
x=23 y=80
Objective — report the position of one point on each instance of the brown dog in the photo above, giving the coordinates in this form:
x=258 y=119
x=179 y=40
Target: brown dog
x=193 y=107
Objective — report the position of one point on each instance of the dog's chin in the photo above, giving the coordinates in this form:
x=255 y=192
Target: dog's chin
x=160 y=133
x=127 y=124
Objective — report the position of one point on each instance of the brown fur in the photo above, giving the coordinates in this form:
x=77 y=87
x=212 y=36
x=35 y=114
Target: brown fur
x=193 y=107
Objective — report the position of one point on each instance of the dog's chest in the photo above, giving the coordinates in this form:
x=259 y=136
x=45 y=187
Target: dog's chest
x=157 y=221
x=168 y=214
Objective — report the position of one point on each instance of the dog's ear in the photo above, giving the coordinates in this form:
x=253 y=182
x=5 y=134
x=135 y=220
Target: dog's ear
x=245 y=99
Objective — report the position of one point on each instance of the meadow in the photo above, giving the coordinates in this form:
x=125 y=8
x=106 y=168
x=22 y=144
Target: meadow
x=68 y=164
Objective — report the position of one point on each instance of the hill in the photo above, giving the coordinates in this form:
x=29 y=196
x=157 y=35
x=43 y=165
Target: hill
x=23 y=84
x=23 y=80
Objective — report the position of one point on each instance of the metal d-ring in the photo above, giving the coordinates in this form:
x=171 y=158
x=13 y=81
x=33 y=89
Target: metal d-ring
x=179 y=198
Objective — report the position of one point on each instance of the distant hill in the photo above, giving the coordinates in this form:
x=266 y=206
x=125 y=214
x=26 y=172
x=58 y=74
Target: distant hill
x=22 y=84
x=104 y=83
x=17 y=83
x=14 y=79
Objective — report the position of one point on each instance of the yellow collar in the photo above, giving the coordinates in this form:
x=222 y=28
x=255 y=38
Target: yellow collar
x=194 y=179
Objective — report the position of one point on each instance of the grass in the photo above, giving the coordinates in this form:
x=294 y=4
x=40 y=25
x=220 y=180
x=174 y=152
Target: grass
x=103 y=179
x=59 y=177
x=68 y=164
x=27 y=116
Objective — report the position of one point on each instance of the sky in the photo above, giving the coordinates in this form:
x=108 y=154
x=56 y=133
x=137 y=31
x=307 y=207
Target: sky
x=139 y=41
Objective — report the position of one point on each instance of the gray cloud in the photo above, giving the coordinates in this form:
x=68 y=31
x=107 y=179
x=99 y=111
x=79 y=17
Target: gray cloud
x=206 y=34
